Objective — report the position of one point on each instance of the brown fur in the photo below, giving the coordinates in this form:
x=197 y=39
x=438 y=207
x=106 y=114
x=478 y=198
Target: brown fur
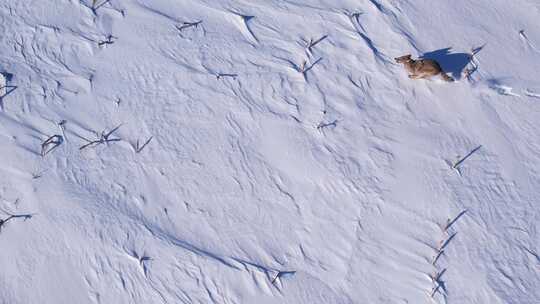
x=422 y=68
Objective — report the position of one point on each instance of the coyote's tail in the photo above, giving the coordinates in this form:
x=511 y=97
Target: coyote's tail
x=446 y=77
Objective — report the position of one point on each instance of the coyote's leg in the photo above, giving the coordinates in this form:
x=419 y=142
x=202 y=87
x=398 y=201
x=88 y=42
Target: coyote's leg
x=413 y=76
x=446 y=77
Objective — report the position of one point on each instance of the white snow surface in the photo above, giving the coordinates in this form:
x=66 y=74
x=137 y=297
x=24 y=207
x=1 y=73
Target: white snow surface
x=269 y=184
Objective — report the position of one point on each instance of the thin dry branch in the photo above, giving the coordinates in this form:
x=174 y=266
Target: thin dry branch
x=223 y=75
x=185 y=25
x=14 y=216
x=139 y=148
x=104 y=139
x=54 y=141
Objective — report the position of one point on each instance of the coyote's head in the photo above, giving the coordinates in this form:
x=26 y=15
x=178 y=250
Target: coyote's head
x=405 y=58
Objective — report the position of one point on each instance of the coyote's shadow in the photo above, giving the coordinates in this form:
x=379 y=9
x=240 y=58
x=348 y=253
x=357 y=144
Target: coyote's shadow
x=453 y=63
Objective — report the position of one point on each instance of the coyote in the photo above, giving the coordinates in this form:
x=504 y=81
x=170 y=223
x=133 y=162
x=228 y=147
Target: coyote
x=422 y=68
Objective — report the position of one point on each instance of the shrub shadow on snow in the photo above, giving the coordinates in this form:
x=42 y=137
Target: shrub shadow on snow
x=5 y=89
x=453 y=63
x=7 y=75
x=9 y=90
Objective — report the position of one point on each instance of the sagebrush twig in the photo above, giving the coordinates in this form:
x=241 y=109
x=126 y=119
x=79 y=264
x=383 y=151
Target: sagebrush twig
x=14 y=216
x=436 y=257
x=55 y=141
x=323 y=125
x=62 y=126
x=104 y=139
x=223 y=75
x=434 y=290
x=185 y=25
x=139 y=148
x=312 y=43
x=96 y=6
x=280 y=274
x=304 y=68
x=444 y=242
x=460 y=161
x=436 y=277
x=38 y=174
x=450 y=222
x=110 y=39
